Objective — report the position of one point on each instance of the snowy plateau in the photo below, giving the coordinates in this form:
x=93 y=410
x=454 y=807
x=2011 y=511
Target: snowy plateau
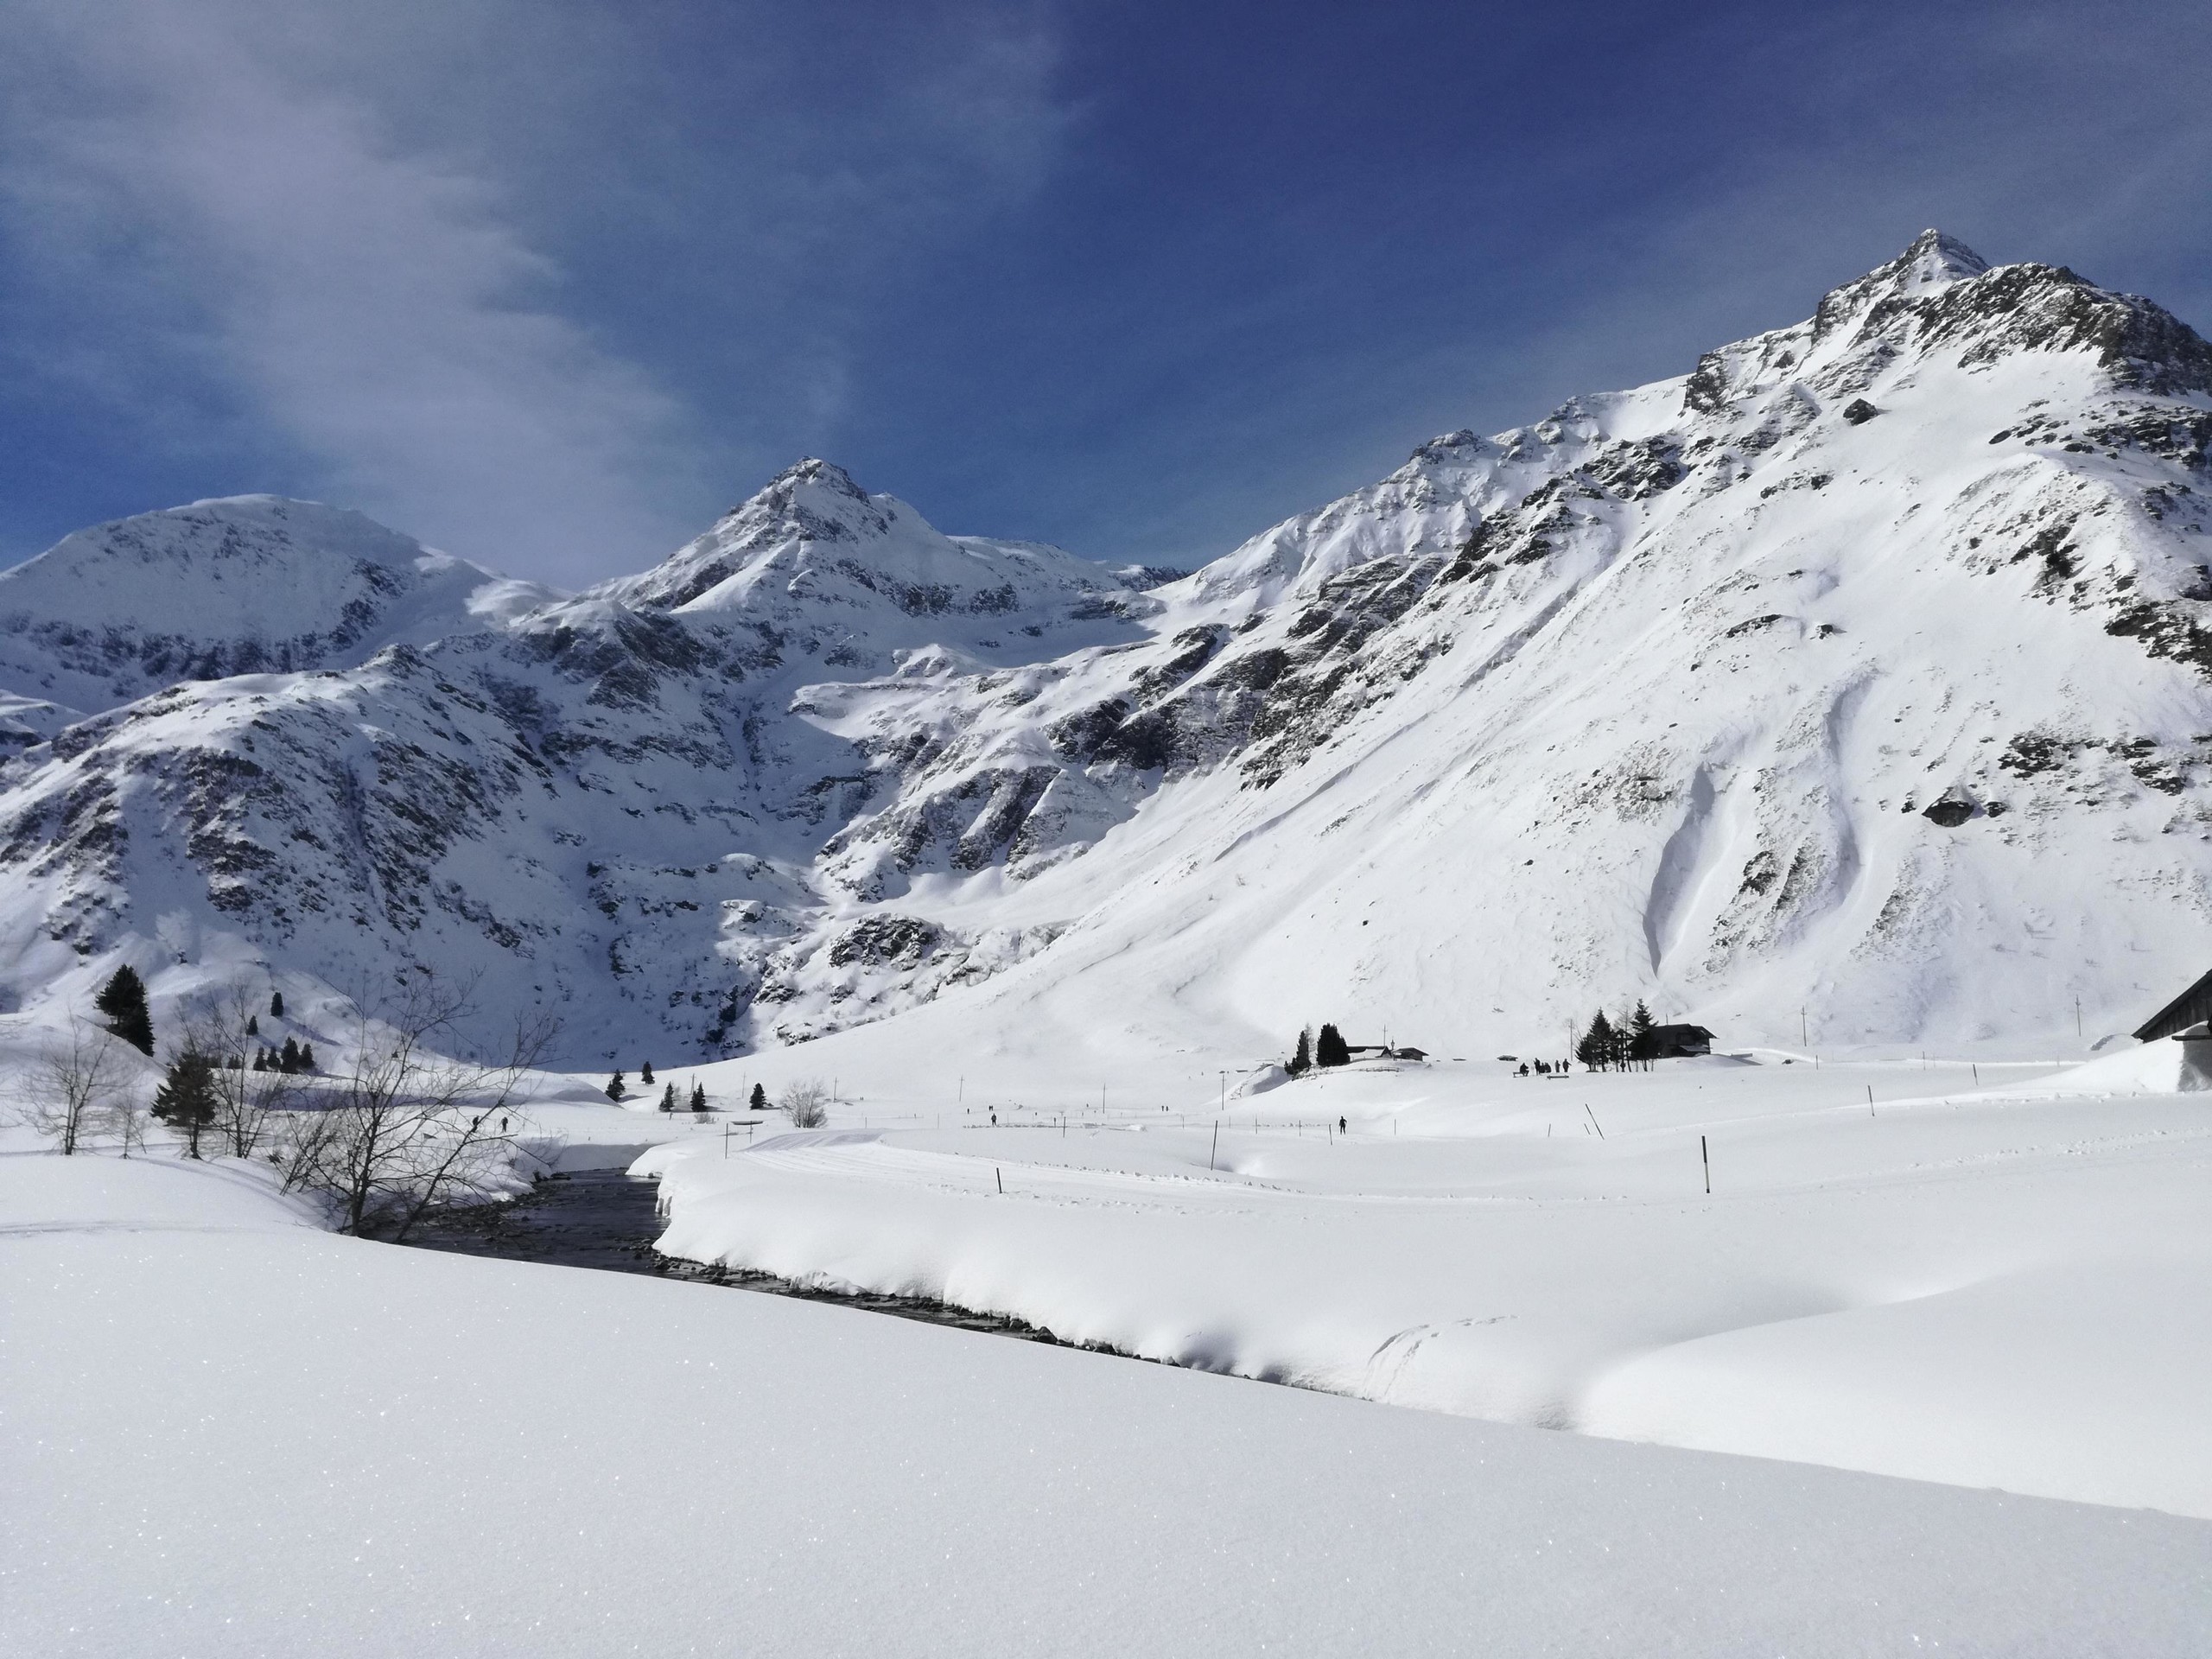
x=1849 y=696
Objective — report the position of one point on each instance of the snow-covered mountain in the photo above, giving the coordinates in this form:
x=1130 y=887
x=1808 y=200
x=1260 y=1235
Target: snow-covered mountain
x=253 y=584
x=1861 y=670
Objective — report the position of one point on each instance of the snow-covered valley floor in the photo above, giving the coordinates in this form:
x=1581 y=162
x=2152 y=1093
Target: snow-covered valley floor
x=229 y=1432
x=2009 y=1287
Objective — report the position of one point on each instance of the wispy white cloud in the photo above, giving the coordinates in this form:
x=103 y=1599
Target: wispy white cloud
x=352 y=249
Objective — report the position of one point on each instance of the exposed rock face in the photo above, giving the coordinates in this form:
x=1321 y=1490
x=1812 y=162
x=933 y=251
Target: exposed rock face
x=1649 y=695
x=1951 y=809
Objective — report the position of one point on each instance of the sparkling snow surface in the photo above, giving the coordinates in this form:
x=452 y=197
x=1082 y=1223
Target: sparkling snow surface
x=229 y=1433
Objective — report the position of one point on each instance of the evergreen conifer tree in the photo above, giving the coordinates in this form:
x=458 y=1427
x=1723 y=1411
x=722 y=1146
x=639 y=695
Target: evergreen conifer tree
x=253 y=1025
x=1329 y=1048
x=123 y=999
x=1642 y=1041
x=186 y=1100
x=1596 y=1048
x=1301 y=1062
x=667 y=1097
x=699 y=1098
x=288 y=1058
x=616 y=1088
x=276 y=1005
x=307 y=1056
x=261 y=1060
x=759 y=1101
x=646 y=1074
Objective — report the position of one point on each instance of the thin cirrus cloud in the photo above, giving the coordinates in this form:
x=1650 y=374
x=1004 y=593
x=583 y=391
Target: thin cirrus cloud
x=260 y=241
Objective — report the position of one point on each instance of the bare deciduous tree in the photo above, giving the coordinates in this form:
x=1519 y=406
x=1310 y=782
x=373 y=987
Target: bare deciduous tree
x=224 y=1027
x=73 y=1089
x=406 y=1128
x=807 y=1102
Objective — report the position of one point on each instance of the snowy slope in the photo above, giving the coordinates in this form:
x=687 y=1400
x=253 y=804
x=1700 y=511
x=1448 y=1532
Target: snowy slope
x=1654 y=697
x=230 y=1433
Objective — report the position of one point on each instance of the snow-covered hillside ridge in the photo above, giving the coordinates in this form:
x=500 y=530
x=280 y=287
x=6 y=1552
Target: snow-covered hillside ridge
x=1862 y=670
x=249 y=585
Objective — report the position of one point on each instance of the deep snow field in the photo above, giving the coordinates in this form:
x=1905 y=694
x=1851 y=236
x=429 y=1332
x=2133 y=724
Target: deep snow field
x=228 y=1431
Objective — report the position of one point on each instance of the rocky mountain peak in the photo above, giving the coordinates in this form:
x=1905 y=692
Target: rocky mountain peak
x=809 y=479
x=1934 y=262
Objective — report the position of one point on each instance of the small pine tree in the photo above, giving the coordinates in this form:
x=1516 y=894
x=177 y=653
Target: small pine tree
x=307 y=1056
x=699 y=1098
x=1596 y=1048
x=1330 y=1049
x=288 y=1058
x=276 y=1005
x=253 y=1025
x=261 y=1060
x=1302 y=1061
x=759 y=1100
x=667 y=1097
x=646 y=1074
x=123 y=999
x=186 y=1100
x=616 y=1088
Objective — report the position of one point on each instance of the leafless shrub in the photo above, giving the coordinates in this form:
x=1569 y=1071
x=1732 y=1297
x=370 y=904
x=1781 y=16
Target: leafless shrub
x=222 y=1028
x=807 y=1102
x=405 y=1127
x=74 y=1089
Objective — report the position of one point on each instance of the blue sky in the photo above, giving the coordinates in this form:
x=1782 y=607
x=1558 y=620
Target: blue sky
x=551 y=283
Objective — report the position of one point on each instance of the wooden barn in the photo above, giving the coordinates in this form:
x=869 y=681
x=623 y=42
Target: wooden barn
x=2193 y=1006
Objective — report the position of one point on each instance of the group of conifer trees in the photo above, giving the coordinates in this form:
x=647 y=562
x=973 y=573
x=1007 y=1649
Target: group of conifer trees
x=668 y=1101
x=617 y=1088
x=1327 y=1050
x=295 y=1056
x=1629 y=1045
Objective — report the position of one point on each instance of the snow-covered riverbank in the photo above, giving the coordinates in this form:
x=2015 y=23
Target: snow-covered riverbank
x=2006 y=1288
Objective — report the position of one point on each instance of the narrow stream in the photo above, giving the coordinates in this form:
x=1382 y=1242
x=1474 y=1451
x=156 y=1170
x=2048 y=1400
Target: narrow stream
x=608 y=1219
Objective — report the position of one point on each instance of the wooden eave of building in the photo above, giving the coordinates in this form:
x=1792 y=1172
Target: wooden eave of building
x=2192 y=1005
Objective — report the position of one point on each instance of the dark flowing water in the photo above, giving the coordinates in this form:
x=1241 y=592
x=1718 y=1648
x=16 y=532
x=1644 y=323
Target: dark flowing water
x=606 y=1219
